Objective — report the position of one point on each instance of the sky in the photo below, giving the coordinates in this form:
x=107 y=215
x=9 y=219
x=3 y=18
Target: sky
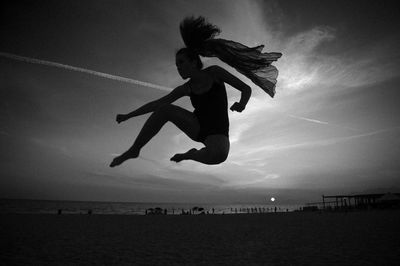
x=332 y=128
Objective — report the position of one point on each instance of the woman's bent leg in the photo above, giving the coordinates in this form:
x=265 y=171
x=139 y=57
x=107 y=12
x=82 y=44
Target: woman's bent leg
x=183 y=119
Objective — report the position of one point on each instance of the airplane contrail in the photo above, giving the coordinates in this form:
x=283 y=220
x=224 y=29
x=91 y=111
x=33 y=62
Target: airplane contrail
x=309 y=119
x=320 y=122
x=83 y=70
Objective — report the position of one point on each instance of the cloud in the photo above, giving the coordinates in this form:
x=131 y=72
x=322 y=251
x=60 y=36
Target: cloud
x=300 y=67
x=318 y=143
x=304 y=65
x=257 y=182
x=254 y=113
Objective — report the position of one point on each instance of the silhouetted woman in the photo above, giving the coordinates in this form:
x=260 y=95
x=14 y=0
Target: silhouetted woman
x=209 y=122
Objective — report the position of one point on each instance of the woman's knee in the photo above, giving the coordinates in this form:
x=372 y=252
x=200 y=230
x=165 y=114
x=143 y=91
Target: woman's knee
x=217 y=156
x=221 y=157
x=218 y=147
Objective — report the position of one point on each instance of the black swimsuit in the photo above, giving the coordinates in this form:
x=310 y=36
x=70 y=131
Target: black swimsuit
x=211 y=109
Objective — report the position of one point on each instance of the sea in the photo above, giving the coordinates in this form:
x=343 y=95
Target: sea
x=25 y=206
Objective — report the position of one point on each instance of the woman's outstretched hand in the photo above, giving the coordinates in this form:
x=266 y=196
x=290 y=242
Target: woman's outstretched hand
x=237 y=107
x=121 y=118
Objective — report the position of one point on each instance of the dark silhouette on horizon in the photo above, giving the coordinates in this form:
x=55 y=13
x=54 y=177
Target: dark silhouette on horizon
x=345 y=202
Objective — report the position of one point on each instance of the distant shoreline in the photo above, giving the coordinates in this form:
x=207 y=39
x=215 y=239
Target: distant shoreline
x=130 y=208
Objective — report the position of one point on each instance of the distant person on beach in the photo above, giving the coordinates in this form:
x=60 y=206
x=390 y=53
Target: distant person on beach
x=209 y=123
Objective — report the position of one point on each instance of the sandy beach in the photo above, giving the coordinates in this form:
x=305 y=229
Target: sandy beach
x=354 y=238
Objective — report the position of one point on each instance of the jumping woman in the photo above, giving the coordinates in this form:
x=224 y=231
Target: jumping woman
x=209 y=122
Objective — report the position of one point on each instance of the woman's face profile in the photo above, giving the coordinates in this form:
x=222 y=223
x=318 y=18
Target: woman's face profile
x=184 y=65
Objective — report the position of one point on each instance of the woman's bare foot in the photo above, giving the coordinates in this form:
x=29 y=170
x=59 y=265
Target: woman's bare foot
x=183 y=156
x=123 y=157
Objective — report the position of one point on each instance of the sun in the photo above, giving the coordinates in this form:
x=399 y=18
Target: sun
x=272 y=199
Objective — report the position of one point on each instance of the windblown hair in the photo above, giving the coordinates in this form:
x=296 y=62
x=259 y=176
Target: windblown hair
x=199 y=38
x=195 y=31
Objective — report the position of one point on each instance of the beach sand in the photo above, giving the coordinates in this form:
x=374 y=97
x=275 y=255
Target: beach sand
x=353 y=238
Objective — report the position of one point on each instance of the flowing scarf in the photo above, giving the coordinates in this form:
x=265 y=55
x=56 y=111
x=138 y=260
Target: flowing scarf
x=249 y=61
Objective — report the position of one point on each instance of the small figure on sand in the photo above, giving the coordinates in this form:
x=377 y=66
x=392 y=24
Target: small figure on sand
x=209 y=122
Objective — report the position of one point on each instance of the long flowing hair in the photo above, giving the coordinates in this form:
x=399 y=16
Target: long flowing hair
x=199 y=36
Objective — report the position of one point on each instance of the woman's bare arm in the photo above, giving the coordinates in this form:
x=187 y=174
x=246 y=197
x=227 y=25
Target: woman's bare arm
x=230 y=79
x=174 y=95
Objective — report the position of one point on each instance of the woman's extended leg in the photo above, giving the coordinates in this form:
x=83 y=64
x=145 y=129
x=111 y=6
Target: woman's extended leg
x=216 y=151
x=183 y=119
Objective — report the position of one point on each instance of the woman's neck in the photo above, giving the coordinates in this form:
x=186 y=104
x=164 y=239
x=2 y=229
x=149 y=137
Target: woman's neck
x=197 y=76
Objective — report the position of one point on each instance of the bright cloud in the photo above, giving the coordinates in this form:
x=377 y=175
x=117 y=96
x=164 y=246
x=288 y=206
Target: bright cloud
x=300 y=67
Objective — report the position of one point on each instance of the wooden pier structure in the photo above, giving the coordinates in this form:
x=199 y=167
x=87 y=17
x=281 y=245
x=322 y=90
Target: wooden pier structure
x=358 y=201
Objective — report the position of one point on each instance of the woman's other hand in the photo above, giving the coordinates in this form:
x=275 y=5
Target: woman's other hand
x=121 y=118
x=238 y=107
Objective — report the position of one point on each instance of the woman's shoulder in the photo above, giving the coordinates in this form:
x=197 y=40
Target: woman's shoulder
x=209 y=78
x=215 y=72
